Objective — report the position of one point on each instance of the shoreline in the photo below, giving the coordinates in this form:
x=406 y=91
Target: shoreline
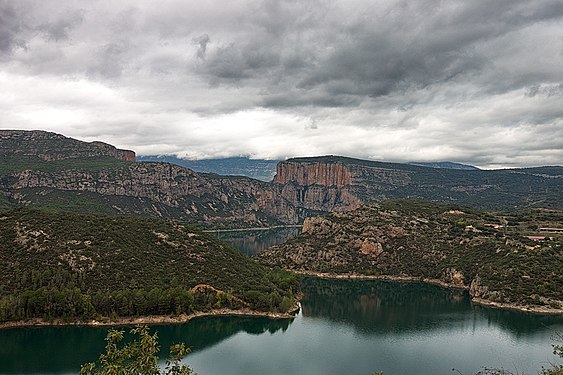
x=252 y=229
x=538 y=310
x=151 y=319
x=407 y=279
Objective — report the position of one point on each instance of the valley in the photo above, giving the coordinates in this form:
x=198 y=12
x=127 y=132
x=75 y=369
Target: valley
x=440 y=234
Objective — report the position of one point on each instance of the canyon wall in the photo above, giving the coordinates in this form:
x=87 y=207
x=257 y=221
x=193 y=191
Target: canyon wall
x=50 y=170
x=191 y=196
x=316 y=187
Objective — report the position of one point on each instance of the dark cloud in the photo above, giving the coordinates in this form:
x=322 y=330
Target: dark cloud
x=60 y=28
x=10 y=27
x=470 y=81
x=413 y=45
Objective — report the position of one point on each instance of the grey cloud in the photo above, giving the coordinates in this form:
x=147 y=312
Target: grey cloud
x=201 y=41
x=10 y=27
x=545 y=90
x=414 y=47
x=60 y=29
x=110 y=60
x=232 y=64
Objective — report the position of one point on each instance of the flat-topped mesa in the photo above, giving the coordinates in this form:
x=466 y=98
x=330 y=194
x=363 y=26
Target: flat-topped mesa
x=47 y=146
x=313 y=173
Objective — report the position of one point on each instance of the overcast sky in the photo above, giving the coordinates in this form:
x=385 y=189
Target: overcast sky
x=479 y=82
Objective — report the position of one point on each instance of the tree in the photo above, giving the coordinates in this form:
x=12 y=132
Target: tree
x=138 y=357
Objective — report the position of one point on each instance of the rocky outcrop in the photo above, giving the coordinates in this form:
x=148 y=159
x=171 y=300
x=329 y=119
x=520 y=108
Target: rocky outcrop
x=371 y=248
x=454 y=278
x=477 y=289
x=405 y=240
x=49 y=146
x=305 y=173
x=316 y=187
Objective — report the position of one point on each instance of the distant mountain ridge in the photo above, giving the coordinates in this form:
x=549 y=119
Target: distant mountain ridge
x=445 y=164
x=259 y=169
x=55 y=172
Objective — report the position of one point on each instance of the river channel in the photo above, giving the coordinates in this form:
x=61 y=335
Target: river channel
x=344 y=327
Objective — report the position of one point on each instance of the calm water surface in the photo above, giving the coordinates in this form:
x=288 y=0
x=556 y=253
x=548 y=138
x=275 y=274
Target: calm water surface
x=252 y=242
x=345 y=327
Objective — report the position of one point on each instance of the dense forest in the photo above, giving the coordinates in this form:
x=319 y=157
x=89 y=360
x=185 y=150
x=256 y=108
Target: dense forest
x=71 y=266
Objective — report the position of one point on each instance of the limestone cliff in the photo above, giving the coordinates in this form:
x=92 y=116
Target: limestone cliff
x=332 y=183
x=316 y=186
x=166 y=190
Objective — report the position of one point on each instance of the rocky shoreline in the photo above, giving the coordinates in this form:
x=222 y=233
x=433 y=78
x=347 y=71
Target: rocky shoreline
x=540 y=310
x=403 y=278
x=152 y=319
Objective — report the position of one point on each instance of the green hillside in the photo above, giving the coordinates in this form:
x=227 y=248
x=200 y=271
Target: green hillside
x=459 y=247
x=66 y=265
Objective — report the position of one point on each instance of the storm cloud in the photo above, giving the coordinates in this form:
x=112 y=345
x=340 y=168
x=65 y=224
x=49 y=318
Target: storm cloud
x=476 y=82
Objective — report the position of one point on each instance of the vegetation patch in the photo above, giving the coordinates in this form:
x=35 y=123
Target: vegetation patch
x=505 y=259
x=64 y=265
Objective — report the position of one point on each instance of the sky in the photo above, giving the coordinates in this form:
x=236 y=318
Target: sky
x=477 y=82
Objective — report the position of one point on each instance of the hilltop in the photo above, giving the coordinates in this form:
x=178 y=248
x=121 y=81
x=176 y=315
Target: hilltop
x=488 y=254
x=72 y=266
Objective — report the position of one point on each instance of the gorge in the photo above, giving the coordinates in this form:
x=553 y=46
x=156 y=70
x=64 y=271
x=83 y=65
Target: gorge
x=49 y=170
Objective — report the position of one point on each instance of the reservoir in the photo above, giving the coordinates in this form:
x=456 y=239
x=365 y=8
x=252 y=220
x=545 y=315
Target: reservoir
x=344 y=327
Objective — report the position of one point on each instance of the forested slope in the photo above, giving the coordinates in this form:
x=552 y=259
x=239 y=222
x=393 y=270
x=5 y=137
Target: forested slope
x=65 y=265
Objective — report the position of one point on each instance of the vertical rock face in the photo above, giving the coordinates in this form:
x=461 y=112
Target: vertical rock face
x=316 y=173
x=302 y=187
x=314 y=187
x=48 y=146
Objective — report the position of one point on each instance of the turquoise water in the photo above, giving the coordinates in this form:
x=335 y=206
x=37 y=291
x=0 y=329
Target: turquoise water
x=344 y=327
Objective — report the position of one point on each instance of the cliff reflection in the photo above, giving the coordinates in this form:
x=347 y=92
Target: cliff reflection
x=254 y=241
x=381 y=307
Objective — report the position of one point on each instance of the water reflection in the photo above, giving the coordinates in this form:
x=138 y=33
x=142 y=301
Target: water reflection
x=252 y=242
x=202 y=333
x=382 y=306
x=60 y=350
x=346 y=326
x=379 y=306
